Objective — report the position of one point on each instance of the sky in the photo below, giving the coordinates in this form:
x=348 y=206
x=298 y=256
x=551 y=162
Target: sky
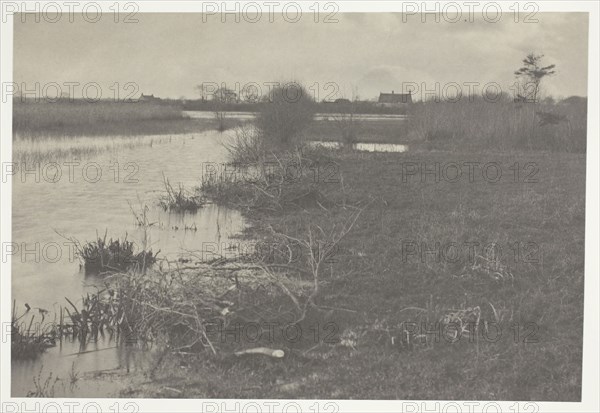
x=362 y=54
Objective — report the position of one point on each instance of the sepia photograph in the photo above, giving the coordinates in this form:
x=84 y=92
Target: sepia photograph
x=285 y=206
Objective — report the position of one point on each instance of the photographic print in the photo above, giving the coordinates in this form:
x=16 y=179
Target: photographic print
x=300 y=204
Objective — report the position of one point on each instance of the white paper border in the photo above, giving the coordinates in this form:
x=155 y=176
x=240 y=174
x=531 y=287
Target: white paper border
x=591 y=377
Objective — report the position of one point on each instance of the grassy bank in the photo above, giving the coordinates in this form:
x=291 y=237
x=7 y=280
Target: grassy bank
x=447 y=274
x=374 y=285
x=79 y=118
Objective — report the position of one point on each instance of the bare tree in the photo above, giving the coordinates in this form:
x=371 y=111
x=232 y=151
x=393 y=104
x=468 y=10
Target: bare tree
x=531 y=75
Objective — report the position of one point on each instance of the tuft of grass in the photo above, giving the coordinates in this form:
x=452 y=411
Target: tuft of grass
x=29 y=338
x=179 y=199
x=113 y=255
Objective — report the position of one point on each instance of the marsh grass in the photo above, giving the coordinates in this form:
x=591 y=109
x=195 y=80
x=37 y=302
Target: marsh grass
x=245 y=146
x=179 y=199
x=473 y=124
x=500 y=125
x=275 y=182
x=43 y=387
x=30 y=337
x=375 y=296
x=81 y=118
x=30 y=152
x=113 y=255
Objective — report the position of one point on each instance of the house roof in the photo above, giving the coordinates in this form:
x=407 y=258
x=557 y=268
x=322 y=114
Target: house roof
x=395 y=98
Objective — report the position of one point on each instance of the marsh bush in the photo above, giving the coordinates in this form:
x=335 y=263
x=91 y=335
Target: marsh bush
x=287 y=111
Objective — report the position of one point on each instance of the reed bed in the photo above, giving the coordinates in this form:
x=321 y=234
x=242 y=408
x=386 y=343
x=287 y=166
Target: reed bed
x=500 y=125
x=30 y=152
x=81 y=118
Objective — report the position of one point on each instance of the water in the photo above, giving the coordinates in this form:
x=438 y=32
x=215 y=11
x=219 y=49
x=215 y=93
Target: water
x=89 y=198
x=318 y=116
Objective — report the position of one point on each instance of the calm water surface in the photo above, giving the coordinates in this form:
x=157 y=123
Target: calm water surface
x=318 y=116
x=91 y=198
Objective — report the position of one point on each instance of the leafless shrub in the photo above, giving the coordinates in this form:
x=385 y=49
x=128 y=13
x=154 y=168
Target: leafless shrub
x=245 y=146
x=318 y=246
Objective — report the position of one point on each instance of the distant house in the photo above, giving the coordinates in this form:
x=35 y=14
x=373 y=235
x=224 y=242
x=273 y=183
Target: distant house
x=148 y=98
x=343 y=101
x=394 y=99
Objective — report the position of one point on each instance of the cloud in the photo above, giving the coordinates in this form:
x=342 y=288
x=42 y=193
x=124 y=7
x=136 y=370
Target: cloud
x=168 y=54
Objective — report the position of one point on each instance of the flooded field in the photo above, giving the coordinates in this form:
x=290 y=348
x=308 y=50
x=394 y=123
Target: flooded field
x=76 y=198
x=318 y=116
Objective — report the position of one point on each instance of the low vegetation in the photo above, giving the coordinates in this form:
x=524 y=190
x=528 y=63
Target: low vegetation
x=389 y=302
x=179 y=199
x=245 y=146
x=35 y=120
x=29 y=335
x=473 y=122
x=113 y=255
x=407 y=318
x=363 y=262
x=500 y=125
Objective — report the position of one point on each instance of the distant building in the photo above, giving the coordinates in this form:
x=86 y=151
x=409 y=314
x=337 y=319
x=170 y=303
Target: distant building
x=394 y=99
x=148 y=98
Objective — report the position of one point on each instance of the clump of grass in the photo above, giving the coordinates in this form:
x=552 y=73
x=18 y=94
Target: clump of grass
x=114 y=255
x=30 y=338
x=98 y=312
x=179 y=200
